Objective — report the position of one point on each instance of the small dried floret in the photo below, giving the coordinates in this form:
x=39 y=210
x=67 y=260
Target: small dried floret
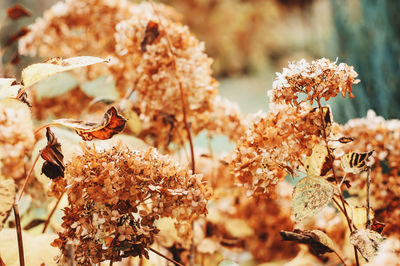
x=316 y=80
x=116 y=195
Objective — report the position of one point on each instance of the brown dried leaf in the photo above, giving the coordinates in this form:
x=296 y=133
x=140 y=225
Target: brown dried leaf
x=310 y=195
x=377 y=226
x=318 y=240
x=355 y=163
x=345 y=139
x=22 y=32
x=112 y=124
x=53 y=166
x=36 y=72
x=17 y=11
x=367 y=242
x=7 y=199
x=150 y=35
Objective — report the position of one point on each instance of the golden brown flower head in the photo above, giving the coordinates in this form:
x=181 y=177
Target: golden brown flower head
x=318 y=79
x=16 y=137
x=116 y=195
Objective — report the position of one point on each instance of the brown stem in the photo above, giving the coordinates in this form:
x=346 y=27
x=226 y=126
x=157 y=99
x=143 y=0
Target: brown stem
x=19 y=235
x=47 y=222
x=43 y=126
x=183 y=98
x=165 y=257
x=340 y=258
x=111 y=262
x=368 y=224
x=28 y=176
x=334 y=175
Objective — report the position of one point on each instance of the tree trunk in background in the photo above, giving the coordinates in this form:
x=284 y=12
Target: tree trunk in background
x=368 y=37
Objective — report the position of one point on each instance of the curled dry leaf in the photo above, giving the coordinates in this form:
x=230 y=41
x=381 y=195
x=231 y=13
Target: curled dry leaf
x=7 y=199
x=17 y=11
x=112 y=124
x=53 y=166
x=319 y=162
x=377 y=226
x=310 y=195
x=7 y=89
x=318 y=240
x=345 y=140
x=36 y=72
x=150 y=35
x=367 y=242
x=355 y=163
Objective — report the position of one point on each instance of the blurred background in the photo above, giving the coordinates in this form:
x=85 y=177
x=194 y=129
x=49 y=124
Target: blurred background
x=251 y=40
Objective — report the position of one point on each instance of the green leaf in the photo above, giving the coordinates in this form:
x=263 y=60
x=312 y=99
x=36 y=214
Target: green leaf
x=310 y=195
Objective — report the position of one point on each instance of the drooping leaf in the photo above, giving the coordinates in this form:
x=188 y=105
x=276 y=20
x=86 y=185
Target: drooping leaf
x=7 y=199
x=112 y=124
x=53 y=166
x=16 y=36
x=40 y=71
x=355 y=162
x=345 y=139
x=319 y=162
x=367 y=242
x=150 y=35
x=17 y=11
x=316 y=239
x=7 y=90
x=310 y=195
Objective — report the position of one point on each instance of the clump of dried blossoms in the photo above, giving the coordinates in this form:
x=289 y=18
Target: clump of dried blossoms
x=275 y=144
x=383 y=136
x=16 y=138
x=316 y=80
x=116 y=195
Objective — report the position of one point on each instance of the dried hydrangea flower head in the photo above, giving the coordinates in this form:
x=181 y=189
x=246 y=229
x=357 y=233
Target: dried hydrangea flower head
x=316 y=80
x=383 y=136
x=274 y=145
x=16 y=138
x=116 y=195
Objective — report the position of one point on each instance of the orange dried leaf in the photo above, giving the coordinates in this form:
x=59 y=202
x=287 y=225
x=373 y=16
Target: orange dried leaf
x=150 y=35
x=17 y=11
x=53 y=166
x=345 y=139
x=112 y=124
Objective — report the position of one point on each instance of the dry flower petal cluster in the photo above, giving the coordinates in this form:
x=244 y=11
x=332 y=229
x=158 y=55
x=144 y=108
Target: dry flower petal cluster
x=16 y=138
x=116 y=195
x=383 y=136
x=274 y=145
x=316 y=80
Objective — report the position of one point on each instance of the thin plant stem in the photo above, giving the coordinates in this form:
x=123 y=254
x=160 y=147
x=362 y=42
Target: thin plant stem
x=19 y=235
x=111 y=262
x=334 y=175
x=165 y=257
x=28 y=176
x=368 y=224
x=340 y=258
x=43 y=126
x=47 y=222
x=182 y=92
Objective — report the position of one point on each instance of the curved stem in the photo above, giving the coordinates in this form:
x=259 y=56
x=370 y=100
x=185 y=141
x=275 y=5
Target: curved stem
x=29 y=175
x=19 y=235
x=47 y=222
x=43 y=126
x=165 y=257
x=340 y=258
x=368 y=224
x=182 y=92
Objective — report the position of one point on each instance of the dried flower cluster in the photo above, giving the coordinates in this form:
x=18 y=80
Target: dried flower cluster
x=383 y=136
x=16 y=138
x=316 y=80
x=116 y=195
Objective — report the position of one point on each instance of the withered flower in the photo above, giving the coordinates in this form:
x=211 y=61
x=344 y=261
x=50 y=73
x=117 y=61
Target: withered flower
x=53 y=165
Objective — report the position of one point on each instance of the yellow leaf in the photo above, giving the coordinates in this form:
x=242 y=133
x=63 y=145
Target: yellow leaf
x=318 y=163
x=355 y=162
x=310 y=195
x=36 y=72
x=7 y=199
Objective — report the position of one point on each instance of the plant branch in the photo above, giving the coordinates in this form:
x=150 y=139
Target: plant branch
x=47 y=222
x=340 y=258
x=29 y=175
x=324 y=135
x=44 y=126
x=165 y=257
x=182 y=92
x=19 y=235
x=368 y=224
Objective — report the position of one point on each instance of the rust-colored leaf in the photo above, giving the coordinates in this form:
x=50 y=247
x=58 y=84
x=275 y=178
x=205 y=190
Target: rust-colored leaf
x=22 y=32
x=17 y=11
x=53 y=166
x=150 y=35
x=377 y=226
x=345 y=140
x=112 y=124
